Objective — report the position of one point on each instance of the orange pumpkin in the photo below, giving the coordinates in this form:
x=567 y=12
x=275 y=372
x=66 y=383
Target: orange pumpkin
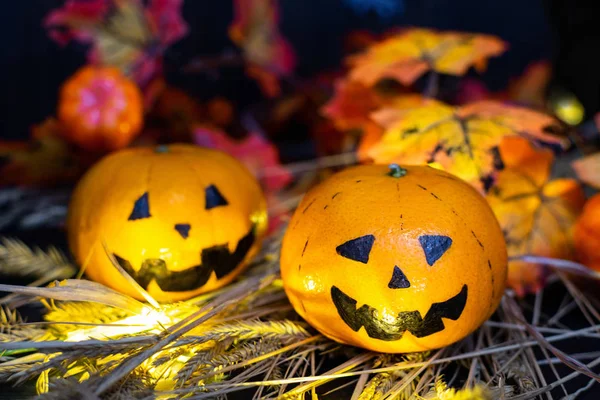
x=180 y=219
x=100 y=109
x=394 y=259
x=587 y=234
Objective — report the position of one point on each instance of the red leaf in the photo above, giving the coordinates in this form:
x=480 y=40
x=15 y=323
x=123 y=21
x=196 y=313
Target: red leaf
x=530 y=88
x=167 y=20
x=255 y=29
x=123 y=33
x=351 y=104
x=255 y=152
x=74 y=13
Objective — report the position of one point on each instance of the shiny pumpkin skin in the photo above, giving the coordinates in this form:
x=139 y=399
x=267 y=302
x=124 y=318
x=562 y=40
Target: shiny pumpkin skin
x=175 y=179
x=587 y=234
x=397 y=211
x=100 y=109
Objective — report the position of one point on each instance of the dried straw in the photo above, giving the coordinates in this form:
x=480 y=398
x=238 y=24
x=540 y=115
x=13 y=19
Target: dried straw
x=246 y=337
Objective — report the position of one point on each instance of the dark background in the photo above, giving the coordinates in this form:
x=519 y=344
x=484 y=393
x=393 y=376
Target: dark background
x=33 y=66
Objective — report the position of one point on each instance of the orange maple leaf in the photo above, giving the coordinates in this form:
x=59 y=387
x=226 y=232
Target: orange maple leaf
x=351 y=104
x=537 y=214
x=463 y=140
x=530 y=88
x=409 y=54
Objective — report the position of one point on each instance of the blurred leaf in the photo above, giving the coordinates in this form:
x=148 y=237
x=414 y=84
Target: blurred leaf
x=254 y=151
x=359 y=41
x=471 y=90
x=464 y=140
x=530 y=88
x=124 y=33
x=173 y=115
x=408 y=55
x=536 y=214
x=588 y=170
x=351 y=104
x=43 y=161
x=63 y=23
x=255 y=30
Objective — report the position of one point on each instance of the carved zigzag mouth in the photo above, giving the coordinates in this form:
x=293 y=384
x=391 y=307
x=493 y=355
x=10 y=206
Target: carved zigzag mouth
x=412 y=321
x=216 y=258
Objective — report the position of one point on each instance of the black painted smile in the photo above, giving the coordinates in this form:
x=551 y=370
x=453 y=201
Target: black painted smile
x=377 y=328
x=217 y=258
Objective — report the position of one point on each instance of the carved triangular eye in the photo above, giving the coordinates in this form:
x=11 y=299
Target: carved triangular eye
x=357 y=249
x=399 y=280
x=434 y=247
x=141 y=208
x=214 y=198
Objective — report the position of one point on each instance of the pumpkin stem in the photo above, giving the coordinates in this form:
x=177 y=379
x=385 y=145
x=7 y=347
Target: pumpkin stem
x=162 y=149
x=396 y=171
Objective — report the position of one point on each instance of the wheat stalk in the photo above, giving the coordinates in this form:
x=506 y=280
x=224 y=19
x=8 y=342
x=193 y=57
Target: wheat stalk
x=18 y=259
x=247 y=336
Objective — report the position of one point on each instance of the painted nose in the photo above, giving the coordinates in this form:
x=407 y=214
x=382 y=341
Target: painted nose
x=399 y=280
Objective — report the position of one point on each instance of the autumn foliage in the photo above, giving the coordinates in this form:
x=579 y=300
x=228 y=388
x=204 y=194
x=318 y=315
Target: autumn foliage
x=131 y=35
x=587 y=234
x=408 y=55
x=268 y=54
x=370 y=113
x=536 y=213
x=463 y=140
x=45 y=160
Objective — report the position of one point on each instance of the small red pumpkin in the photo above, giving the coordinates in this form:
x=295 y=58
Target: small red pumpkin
x=100 y=109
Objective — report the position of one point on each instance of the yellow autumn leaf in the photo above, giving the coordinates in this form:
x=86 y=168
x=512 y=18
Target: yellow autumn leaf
x=536 y=214
x=463 y=140
x=409 y=54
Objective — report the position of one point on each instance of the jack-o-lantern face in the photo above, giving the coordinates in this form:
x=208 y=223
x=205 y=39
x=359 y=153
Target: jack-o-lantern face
x=180 y=220
x=394 y=262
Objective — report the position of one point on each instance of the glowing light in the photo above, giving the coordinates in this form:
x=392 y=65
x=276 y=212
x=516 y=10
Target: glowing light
x=568 y=108
x=387 y=316
x=166 y=373
x=259 y=218
x=149 y=320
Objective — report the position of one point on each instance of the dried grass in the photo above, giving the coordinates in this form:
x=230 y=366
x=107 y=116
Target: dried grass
x=246 y=337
